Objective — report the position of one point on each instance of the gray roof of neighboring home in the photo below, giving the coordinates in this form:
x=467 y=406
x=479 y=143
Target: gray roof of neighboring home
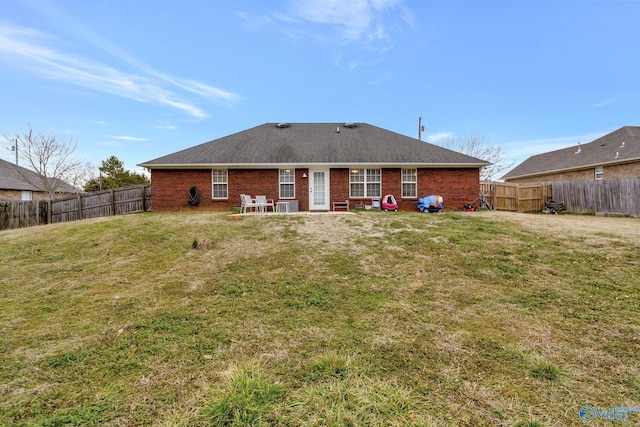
x=620 y=146
x=315 y=143
x=17 y=178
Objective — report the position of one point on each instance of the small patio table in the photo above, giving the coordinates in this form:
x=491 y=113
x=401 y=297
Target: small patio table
x=284 y=204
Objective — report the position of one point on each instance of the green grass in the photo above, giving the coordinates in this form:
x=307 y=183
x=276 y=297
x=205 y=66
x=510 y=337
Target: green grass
x=363 y=320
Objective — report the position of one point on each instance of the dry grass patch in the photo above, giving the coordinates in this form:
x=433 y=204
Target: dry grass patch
x=368 y=319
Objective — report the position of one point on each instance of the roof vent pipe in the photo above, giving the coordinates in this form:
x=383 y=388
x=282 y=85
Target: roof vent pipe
x=579 y=149
x=338 y=129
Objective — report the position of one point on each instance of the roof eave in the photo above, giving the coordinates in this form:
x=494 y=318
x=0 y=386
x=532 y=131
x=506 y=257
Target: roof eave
x=310 y=165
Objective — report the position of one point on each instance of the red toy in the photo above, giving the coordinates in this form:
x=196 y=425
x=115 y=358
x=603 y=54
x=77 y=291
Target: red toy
x=389 y=203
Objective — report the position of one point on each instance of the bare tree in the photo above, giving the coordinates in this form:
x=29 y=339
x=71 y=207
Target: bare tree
x=477 y=147
x=57 y=170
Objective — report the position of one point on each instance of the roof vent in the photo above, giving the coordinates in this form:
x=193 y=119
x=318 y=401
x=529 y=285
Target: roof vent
x=350 y=125
x=617 y=155
x=282 y=125
x=579 y=149
x=622 y=145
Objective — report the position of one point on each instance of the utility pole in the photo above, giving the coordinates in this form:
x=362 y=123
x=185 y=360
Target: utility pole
x=15 y=148
x=420 y=128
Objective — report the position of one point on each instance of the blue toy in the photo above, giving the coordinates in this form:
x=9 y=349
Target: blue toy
x=431 y=203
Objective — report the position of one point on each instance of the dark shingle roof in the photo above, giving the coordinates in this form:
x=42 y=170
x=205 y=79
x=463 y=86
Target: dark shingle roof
x=315 y=143
x=620 y=146
x=17 y=178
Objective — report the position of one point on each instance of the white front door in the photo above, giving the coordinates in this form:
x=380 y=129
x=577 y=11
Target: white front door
x=318 y=190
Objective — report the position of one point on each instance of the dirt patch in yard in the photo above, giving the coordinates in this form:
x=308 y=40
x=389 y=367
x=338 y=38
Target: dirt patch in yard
x=347 y=228
x=559 y=226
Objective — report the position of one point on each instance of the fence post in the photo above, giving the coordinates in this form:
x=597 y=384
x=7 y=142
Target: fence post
x=79 y=206
x=113 y=201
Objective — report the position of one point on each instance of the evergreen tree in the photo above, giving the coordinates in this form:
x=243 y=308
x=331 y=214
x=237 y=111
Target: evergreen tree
x=114 y=175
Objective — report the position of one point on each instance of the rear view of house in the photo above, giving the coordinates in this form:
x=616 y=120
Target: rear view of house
x=312 y=165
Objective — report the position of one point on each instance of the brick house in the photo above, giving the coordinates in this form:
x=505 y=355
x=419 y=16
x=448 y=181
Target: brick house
x=313 y=165
x=615 y=155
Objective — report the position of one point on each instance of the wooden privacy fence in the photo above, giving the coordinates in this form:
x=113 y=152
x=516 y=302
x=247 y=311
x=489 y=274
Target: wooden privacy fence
x=116 y=201
x=504 y=196
x=18 y=214
x=619 y=196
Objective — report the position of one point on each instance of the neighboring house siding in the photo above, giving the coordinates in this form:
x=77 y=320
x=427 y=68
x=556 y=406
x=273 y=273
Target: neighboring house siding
x=17 y=195
x=627 y=170
x=579 y=175
x=171 y=187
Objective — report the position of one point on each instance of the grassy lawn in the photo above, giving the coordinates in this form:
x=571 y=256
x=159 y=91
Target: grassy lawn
x=331 y=320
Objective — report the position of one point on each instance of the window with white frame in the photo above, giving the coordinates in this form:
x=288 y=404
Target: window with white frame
x=27 y=196
x=409 y=183
x=599 y=172
x=287 y=184
x=220 y=184
x=365 y=183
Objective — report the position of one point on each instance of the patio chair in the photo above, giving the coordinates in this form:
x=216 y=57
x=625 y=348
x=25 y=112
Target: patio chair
x=263 y=203
x=247 y=203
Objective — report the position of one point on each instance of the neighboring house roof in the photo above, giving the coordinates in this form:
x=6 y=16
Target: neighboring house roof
x=620 y=146
x=334 y=144
x=13 y=177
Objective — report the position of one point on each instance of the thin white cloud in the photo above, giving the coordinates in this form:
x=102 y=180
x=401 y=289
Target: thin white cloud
x=521 y=150
x=253 y=22
x=353 y=18
x=165 y=127
x=364 y=21
x=56 y=16
x=130 y=138
x=606 y=102
x=440 y=137
x=206 y=91
x=27 y=48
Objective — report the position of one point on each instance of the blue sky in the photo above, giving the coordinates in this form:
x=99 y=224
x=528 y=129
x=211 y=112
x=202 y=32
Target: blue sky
x=141 y=79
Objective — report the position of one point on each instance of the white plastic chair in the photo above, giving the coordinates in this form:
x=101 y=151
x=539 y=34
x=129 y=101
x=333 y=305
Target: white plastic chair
x=263 y=203
x=247 y=203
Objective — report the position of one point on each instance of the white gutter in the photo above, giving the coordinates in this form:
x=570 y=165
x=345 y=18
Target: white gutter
x=310 y=165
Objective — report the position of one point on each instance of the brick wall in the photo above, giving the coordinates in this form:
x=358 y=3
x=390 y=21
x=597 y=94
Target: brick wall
x=627 y=170
x=456 y=186
x=170 y=188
